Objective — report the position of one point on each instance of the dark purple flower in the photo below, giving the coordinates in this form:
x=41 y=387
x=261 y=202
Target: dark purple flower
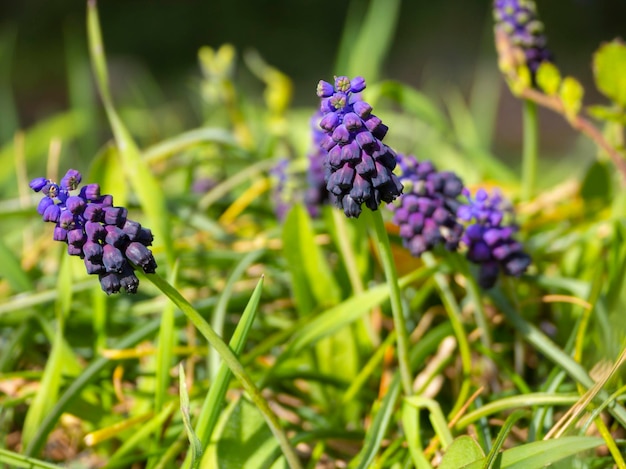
x=489 y=239
x=96 y=231
x=518 y=19
x=426 y=211
x=358 y=166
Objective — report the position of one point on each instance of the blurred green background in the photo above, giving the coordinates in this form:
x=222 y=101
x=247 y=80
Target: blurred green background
x=152 y=47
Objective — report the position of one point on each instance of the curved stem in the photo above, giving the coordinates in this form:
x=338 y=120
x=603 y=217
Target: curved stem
x=531 y=144
x=233 y=363
x=386 y=257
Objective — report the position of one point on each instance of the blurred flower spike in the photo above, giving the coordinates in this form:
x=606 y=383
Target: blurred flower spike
x=517 y=23
x=109 y=243
x=489 y=237
x=426 y=211
x=358 y=166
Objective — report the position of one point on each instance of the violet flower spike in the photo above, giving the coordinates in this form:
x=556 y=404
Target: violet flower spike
x=426 y=212
x=489 y=240
x=358 y=166
x=110 y=244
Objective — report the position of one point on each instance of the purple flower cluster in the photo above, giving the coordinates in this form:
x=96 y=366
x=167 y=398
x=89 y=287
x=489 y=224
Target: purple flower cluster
x=96 y=231
x=490 y=240
x=280 y=193
x=316 y=194
x=359 y=166
x=426 y=211
x=518 y=19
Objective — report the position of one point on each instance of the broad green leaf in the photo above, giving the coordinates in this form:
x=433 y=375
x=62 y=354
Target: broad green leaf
x=571 y=94
x=463 y=451
x=596 y=185
x=105 y=168
x=246 y=440
x=539 y=454
x=548 y=78
x=609 y=68
x=311 y=274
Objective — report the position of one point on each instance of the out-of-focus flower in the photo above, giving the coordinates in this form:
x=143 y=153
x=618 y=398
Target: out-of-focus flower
x=518 y=20
x=359 y=166
x=490 y=239
x=316 y=194
x=95 y=230
x=426 y=211
x=282 y=191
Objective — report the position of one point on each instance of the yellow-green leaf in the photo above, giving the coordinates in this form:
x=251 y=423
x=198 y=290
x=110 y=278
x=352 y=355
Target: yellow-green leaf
x=548 y=78
x=571 y=94
x=609 y=68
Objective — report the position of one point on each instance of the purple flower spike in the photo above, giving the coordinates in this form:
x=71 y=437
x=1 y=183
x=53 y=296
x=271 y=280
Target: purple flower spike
x=95 y=231
x=490 y=243
x=518 y=19
x=426 y=211
x=358 y=166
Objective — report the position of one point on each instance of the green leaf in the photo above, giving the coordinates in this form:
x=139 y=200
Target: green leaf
x=12 y=270
x=246 y=440
x=463 y=451
x=16 y=460
x=609 y=68
x=311 y=274
x=194 y=442
x=596 y=185
x=377 y=431
x=539 y=454
x=607 y=113
x=548 y=78
x=571 y=94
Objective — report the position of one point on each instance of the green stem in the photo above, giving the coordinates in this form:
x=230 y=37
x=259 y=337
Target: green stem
x=233 y=363
x=531 y=144
x=386 y=257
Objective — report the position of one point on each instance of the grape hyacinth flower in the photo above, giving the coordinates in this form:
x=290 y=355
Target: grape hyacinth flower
x=359 y=166
x=490 y=240
x=281 y=193
x=518 y=20
x=110 y=244
x=426 y=211
x=316 y=194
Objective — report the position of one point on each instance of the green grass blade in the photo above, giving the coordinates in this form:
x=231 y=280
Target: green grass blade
x=369 y=50
x=379 y=427
x=214 y=400
x=165 y=354
x=539 y=454
x=15 y=460
x=337 y=317
x=143 y=182
x=219 y=313
x=171 y=146
x=195 y=452
x=143 y=433
x=48 y=390
x=492 y=457
x=312 y=279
